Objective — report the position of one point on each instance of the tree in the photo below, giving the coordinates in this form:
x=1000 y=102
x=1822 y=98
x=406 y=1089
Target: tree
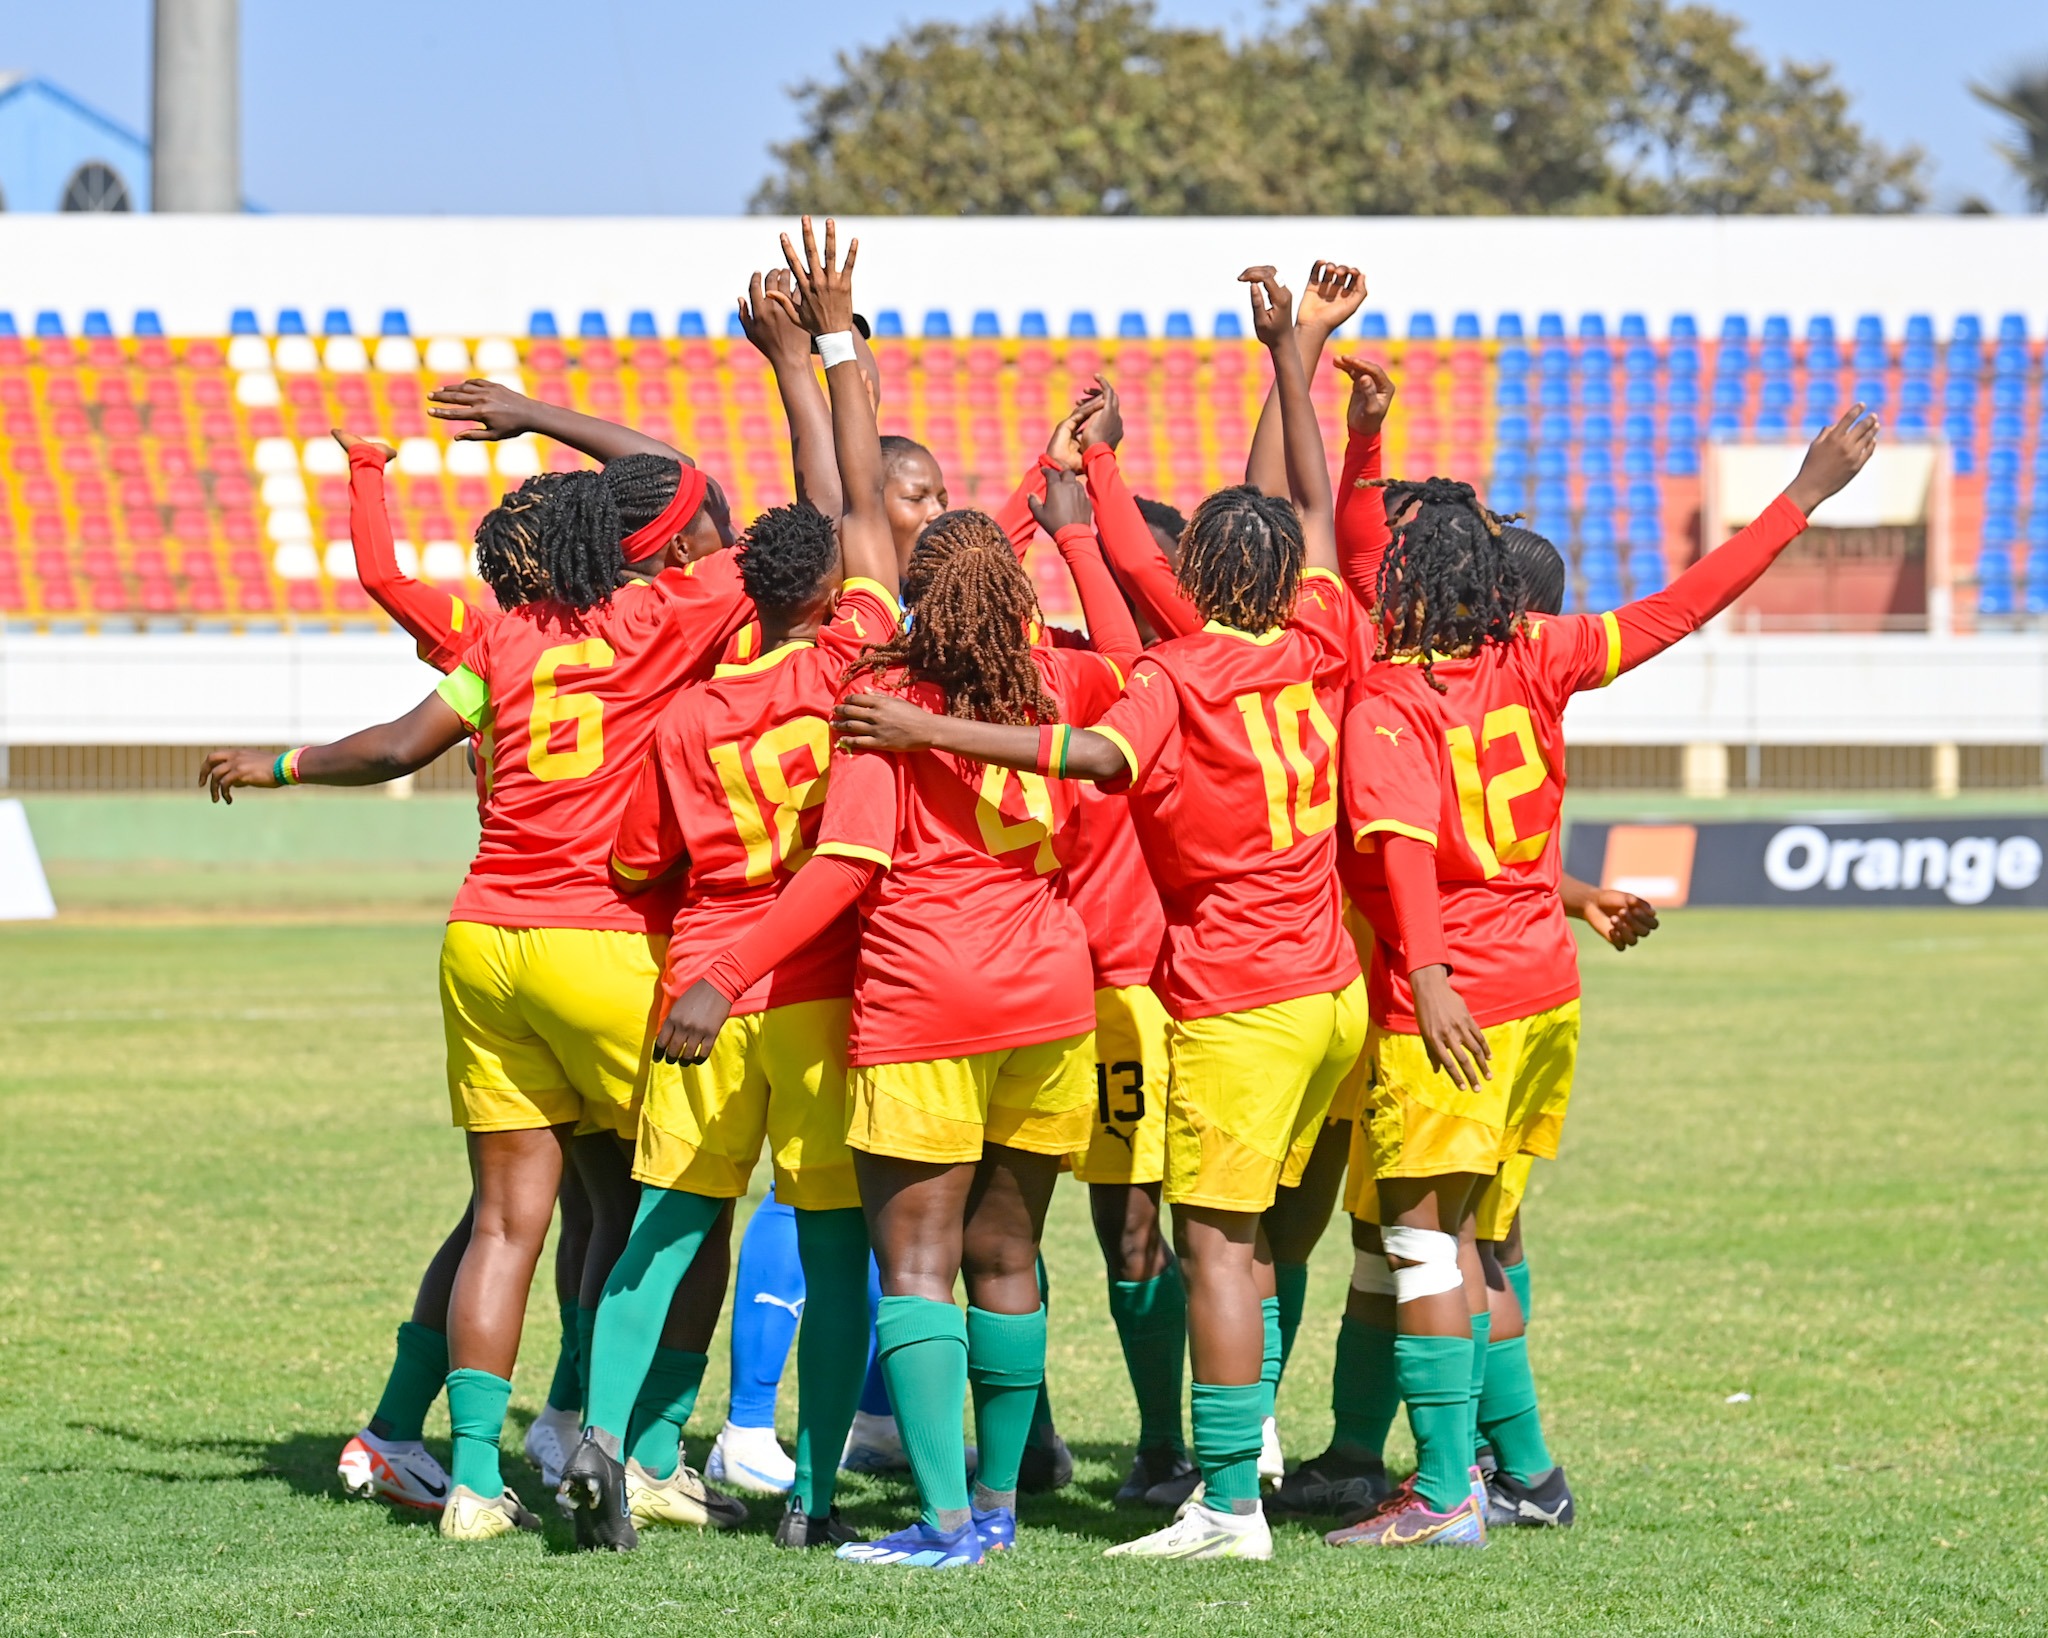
x=2024 y=99
x=1425 y=107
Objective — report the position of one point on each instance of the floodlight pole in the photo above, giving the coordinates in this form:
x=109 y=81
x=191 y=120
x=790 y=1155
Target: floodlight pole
x=196 y=145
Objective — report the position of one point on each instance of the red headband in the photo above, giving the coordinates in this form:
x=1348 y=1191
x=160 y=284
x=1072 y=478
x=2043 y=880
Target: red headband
x=682 y=506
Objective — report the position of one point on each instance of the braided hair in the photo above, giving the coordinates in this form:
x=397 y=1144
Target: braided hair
x=788 y=552
x=1241 y=557
x=509 y=556
x=1448 y=583
x=590 y=515
x=1542 y=566
x=973 y=606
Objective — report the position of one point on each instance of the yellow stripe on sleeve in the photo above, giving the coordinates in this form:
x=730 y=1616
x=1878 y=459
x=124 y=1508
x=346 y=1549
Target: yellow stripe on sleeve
x=875 y=589
x=457 y=610
x=627 y=872
x=1123 y=745
x=853 y=850
x=1613 y=648
x=1394 y=826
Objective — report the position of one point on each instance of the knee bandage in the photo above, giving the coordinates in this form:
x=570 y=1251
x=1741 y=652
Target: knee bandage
x=1435 y=1260
x=1370 y=1274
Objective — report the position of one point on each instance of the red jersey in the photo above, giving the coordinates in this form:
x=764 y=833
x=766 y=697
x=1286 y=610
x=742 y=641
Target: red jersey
x=967 y=943
x=736 y=786
x=567 y=702
x=1231 y=739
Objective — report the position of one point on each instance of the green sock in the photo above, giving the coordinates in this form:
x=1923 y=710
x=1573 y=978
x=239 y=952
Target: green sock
x=1364 y=1391
x=1518 y=1282
x=1152 y=1324
x=833 y=1247
x=1291 y=1283
x=1482 y=1333
x=1436 y=1380
x=923 y=1346
x=667 y=1230
x=1042 y=1429
x=418 y=1369
x=476 y=1413
x=565 y=1392
x=586 y=1338
x=1269 y=1362
x=667 y=1396
x=1507 y=1412
x=1228 y=1425
x=1005 y=1369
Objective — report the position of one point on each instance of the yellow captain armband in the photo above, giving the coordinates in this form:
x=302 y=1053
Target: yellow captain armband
x=466 y=693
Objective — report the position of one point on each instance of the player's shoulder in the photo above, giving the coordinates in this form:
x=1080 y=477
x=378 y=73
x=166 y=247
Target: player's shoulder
x=1394 y=690
x=868 y=613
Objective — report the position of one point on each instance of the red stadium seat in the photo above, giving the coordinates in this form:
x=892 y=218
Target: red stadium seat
x=473 y=496
x=19 y=425
x=216 y=426
x=143 y=524
x=46 y=529
x=95 y=528
x=120 y=421
x=238 y=527
x=596 y=353
x=546 y=356
x=331 y=494
x=303 y=597
x=58 y=594
x=650 y=355
x=205 y=596
x=232 y=490
x=156 y=595
x=350 y=598
x=29 y=458
x=255 y=597
x=153 y=353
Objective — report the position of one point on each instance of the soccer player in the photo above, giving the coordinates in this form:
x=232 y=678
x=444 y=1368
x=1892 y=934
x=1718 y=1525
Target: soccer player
x=734 y=790
x=547 y=970
x=1454 y=774
x=972 y=1064
x=1226 y=741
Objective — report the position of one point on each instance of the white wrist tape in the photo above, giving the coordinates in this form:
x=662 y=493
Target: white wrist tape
x=836 y=348
x=1370 y=1274
x=1435 y=1260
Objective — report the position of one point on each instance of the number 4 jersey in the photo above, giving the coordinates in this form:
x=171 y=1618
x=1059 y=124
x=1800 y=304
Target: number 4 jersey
x=736 y=786
x=566 y=702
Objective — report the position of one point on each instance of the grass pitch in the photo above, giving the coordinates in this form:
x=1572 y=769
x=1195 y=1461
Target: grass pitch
x=1803 y=1166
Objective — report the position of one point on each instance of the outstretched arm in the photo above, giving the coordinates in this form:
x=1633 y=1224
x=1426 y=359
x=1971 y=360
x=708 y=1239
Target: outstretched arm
x=375 y=756
x=502 y=413
x=822 y=302
x=1362 y=533
x=1066 y=516
x=1308 y=478
x=880 y=722
x=439 y=622
x=786 y=344
x=1333 y=294
x=1132 y=552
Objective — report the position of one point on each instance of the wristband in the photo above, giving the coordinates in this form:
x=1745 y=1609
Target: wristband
x=836 y=348
x=1053 y=744
x=285 y=770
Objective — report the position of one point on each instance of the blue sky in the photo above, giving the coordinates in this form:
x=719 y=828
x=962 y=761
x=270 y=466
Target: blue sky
x=640 y=106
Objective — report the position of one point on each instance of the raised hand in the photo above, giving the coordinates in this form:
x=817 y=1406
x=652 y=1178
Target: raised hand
x=1064 y=445
x=772 y=326
x=499 y=411
x=1372 y=395
x=1833 y=458
x=348 y=440
x=1272 y=304
x=692 y=1025
x=881 y=722
x=1334 y=293
x=1102 y=419
x=1065 y=504
x=824 y=292
x=223 y=772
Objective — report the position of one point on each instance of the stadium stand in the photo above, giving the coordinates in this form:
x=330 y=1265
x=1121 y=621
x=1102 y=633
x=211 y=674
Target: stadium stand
x=189 y=482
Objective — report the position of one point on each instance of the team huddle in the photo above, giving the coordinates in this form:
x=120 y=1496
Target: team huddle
x=812 y=835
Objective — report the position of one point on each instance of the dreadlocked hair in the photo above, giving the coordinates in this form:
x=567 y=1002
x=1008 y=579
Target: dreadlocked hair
x=788 y=552
x=1240 y=558
x=1448 y=583
x=593 y=512
x=972 y=607
x=509 y=555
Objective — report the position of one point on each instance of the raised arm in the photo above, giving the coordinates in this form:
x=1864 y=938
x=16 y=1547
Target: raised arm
x=1362 y=532
x=439 y=622
x=502 y=413
x=1308 y=478
x=786 y=345
x=821 y=300
x=375 y=756
x=1066 y=515
x=1133 y=554
x=1334 y=292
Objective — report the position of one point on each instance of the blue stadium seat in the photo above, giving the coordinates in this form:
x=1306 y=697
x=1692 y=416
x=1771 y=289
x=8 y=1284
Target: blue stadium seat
x=1638 y=429
x=2007 y=428
x=1813 y=422
x=1371 y=327
x=2002 y=465
x=1999 y=530
x=1465 y=327
x=1869 y=358
x=2037 y=593
x=1598 y=497
x=1959 y=427
x=1959 y=394
x=1550 y=326
x=1597 y=429
x=1031 y=325
x=148 y=322
x=1916 y=393
x=2037 y=537
x=1772 y=424
x=1507 y=495
x=1643 y=497
x=2010 y=359
x=1510 y=461
x=1641 y=394
x=1776 y=393
x=241 y=322
x=1916 y=358
x=1774 y=358
x=1682 y=360
x=1823 y=356
x=2008 y=393
x=591 y=326
x=1734 y=329
x=1552 y=495
x=1820 y=328
x=1422 y=326
x=1596 y=533
x=938 y=324
x=734 y=330
x=1823 y=395
x=1639 y=461
x=1230 y=327
x=1733 y=359
x=1994 y=581
x=1595 y=359
x=1723 y=425
x=1778 y=328
x=290 y=322
x=1963 y=357
x=1511 y=395
x=1081 y=325
x=889 y=324
x=1684 y=395
x=98 y=324
x=1646 y=573
x=335 y=322
x=985 y=325
x=690 y=325
x=1596 y=394
x=1180 y=326
x=1512 y=429
x=1969 y=327
x=1634 y=327
x=1554 y=393
x=393 y=322
x=540 y=324
x=1550 y=525
x=1684 y=327
x=1920 y=329
x=2013 y=327
x=1639 y=361
x=1682 y=461
x=1553 y=362
x=2001 y=497
x=1869 y=328
x=1508 y=327
x=1554 y=429
x=2041 y=461
x=1871 y=392
x=1645 y=529
x=1728 y=394
x=1592 y=327
x=1682 y=427
x=1131 y=327
x=640 y=326
x=1551 y=462
x=1911 y=424
x=1511 y=363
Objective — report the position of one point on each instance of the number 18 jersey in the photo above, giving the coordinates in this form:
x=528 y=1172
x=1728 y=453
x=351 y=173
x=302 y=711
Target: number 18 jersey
x=1477 y=773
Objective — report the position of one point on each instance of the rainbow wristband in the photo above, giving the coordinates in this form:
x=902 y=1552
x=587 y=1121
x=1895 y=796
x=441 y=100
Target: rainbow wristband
x=1053 y=744
x=285 y=770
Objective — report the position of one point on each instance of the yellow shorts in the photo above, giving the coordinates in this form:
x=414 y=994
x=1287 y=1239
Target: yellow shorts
x=779 y=1075
x=1040 y=1098
x=1247 y=1093
x=1422 y=1125
x=1503 y=1198
x=547 y=1025
x=1353 y=1091
x=1127 y=1143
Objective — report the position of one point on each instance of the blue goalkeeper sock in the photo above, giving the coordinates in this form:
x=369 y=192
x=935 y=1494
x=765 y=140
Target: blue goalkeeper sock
x=768 y=1299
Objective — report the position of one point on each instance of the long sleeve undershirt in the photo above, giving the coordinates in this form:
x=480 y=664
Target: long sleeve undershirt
x=818 y=895
x=1132 y=552
x=1362 y=532
x=427 y=615
x=1652 y=624
x=1112 y=632
x=1418 y=905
